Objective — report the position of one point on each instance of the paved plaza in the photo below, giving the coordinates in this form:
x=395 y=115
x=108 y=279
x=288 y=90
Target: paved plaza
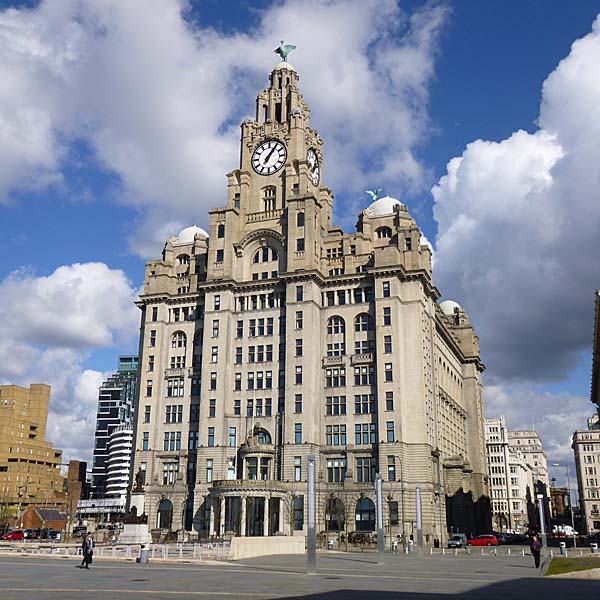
x=340 y=577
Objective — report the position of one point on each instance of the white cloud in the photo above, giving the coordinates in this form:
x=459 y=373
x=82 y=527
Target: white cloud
x=50 y=326
x=159 y=100
x=518 y=229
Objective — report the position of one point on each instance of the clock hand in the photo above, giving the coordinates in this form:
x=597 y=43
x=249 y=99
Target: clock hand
x=269 y=155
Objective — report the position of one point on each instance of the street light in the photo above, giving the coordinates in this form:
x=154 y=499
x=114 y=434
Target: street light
x=570 y=502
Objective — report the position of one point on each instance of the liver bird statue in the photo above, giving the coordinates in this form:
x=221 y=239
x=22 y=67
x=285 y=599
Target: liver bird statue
x=374 y=193
x=284 y=49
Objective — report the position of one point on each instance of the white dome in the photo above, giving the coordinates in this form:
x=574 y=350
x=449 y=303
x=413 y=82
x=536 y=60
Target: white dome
x=448 y=306
x=384 y=206
x=186 y=236
x=284 y=65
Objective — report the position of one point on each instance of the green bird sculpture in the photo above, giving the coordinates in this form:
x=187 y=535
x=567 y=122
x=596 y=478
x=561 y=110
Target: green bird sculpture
x=284 y=49
x=374 y=193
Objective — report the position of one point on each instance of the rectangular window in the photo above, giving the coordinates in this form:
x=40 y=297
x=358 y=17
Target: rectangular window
x=270 y=326
x=239 y=331
x=193 y=440
x=364 y=375
x=250 y=381
x=232 y=437
x=170 y=471
x=260 y=381
x=387 y=315
x=336 y=405
x=389 y=401
x=299 y=293
x=391 y=468
x=147 y=414
x=213 y=381
x=297 y=468
x=152 y=341
x=299 y=319
x=209 y=470
x=259 y=407
x=220 y=255
x=365 y=469
x=298 y=403
x=151 y=363
x=155 y=313
x=211 y=436
x=269 y=380
x=251 y=354
x=335 y=377
x=365 y=433
x=194 y=413
x=298 y=433
x=149 y=388
x=146 y=441
x=239 y=355
x=298 y=375
x=298 y=513
x=387 y=344
x=298 y=346
x=386 y=289
x=237 y=407
x=336 y=470
x=214 y=354
x=389 y=376
x=364 y=404
x=212 y=407
x=269 y=352
x=300 y=245
x=237 y=384
x=268 y=407
x=393 y=506
x=389 y=430
x=175 y=387
x=217 y=302
x=335 y=435
x=250 y=408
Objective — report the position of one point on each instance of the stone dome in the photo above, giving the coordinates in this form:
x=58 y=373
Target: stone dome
x=384 y=206
x=186 y=236
x=448 y=307
x=283 y=65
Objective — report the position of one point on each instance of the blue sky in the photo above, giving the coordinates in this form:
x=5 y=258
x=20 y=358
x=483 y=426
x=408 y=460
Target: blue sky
x=108 y=112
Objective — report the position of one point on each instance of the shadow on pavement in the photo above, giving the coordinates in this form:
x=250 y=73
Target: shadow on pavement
x=516 y=589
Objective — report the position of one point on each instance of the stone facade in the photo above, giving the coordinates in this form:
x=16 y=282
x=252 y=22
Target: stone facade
x=276 y=336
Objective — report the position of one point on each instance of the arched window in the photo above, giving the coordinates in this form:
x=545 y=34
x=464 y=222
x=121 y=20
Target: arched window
x=183 y=259
x=164 y=516
x=178 y=340
x=265 y=254
x=300 y=219
x=263 y=436
x=363 y=322
x=335 y=515
x=221 y=230
x=336 y=325
x=365 y=515
x=384 y=232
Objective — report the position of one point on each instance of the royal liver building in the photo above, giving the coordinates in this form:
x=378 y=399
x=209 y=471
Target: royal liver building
x=278 y=336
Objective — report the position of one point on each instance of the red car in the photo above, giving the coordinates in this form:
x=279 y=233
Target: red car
x=16 y=534
x=483 y=540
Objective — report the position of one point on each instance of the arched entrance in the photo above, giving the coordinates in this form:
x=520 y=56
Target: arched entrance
x=164 y=516
x=335 y=515
x=365 y=515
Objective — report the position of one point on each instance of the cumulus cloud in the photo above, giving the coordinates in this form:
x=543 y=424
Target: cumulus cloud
x=159 y=98
x=518 y=230
x=50 y=326
x=518 y=224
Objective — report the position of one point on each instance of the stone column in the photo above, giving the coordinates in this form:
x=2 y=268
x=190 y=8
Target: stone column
x=243 y=516
x=266 y=520
x=222 y=517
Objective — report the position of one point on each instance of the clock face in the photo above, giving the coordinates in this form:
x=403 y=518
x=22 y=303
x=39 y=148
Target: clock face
x=313 y=163
x=269 y=157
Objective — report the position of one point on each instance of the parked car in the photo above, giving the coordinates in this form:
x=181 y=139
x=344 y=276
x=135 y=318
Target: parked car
x=32 y=534
x=457 y=540
x=15 y=534
x=484 y=540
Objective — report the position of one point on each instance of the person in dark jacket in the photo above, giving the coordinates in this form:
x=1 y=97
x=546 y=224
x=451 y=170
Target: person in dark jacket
x=536 y=550
x=87 y=550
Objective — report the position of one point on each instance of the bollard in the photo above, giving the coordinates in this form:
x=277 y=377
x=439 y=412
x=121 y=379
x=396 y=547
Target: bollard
x=509 y=551
x=443 y=551
x=482 y=552
x=594 y=548
x=181 y=552
x=431 y=551
x=551 y=553
x=455 y=552
x=153 y=551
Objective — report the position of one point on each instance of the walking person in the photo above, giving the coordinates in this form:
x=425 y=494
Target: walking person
x=536 y=550
x=87 y=550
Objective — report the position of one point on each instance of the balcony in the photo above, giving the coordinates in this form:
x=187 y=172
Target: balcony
x=178 y=372
x=265 y=215
x=334 y=361
x=249 y=485
x=361 y=359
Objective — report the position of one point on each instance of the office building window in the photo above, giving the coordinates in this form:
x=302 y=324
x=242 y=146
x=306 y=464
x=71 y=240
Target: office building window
x=389 y=429
x=298 y=433
x=209 y=470
x=213 y=381
x=335 y=435
x=146 y=441
x=336 y=470
x=237 y=384
x=214 y=354
x=212 y=407
x=364 y=404
x=365 y=433
x=232 y=437
x=155 y=313
x=387 y=315
x=211 y=436
x=151 y=363
x=389 y=376
x=298 y=375
x=298 y=347
x=300 y=244
x=335 y=377
x=389 y=401
x=152 y=340
x=217 y=302
x=298 y=513
x=193 y=440
x=297 y=468
x=299 y=319
x=364 y=375
x=298 y=403
x=299 y=293
x=365 y=469
x=336 y=405
x=391 y=468
x=147 y=414
x=387 y=344
x=386 y=289
x=237 y=407
x=149 y=388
